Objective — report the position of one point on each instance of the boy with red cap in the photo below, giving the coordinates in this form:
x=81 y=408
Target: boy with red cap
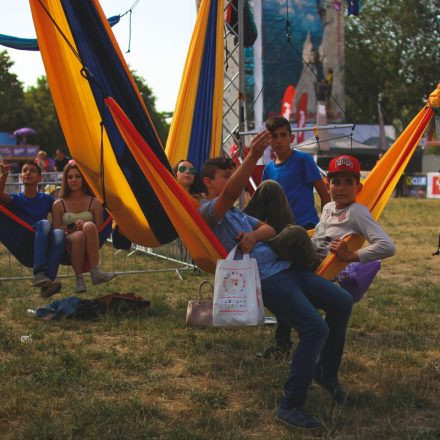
x=344 y=216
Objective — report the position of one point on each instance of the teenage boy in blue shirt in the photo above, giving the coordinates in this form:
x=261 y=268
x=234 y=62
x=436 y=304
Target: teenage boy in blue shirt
x=33 y=207
x=296 y=172
x=291 y=293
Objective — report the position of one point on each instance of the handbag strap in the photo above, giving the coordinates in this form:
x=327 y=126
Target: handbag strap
x=204 y=283
x=231 y=254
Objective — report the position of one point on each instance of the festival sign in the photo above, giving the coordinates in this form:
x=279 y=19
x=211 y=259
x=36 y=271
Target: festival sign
x=311 y=59
x=433 y=187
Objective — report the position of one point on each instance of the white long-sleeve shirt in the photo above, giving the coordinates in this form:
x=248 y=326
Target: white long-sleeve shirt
x=354 y=219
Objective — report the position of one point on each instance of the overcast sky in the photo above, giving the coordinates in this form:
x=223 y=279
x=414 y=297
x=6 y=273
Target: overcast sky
x=160 y=36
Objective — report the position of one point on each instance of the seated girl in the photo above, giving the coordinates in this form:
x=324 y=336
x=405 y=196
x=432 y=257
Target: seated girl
x=81 y=215
x=186 y=175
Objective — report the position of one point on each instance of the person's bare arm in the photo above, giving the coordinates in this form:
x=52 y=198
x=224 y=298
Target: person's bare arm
x=57 y=213
x=4 y=168
x=97 y=213
x=322 y=191
x=238 y=180
x=247 y=240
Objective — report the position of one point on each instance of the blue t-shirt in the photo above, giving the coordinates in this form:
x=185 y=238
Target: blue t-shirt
x=31 y=209
x=296 y=175
x=234 y=222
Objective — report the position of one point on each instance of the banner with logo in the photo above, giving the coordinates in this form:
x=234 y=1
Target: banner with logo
x=433 y=186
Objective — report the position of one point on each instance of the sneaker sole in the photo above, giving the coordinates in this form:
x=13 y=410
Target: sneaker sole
x=47 y=294
x=43 y=283
x=296 y=426
x=95 y=283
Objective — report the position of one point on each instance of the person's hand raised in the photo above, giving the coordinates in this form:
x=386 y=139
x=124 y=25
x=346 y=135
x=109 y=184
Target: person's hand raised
x=259 y=143
x=4 y=168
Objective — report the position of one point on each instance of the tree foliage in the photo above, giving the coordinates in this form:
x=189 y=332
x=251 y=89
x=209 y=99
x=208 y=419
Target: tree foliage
x=42 y=116
x=392 y=55
x=12 y=106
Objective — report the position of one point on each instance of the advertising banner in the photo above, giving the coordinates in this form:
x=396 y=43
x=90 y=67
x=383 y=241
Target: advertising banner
x=433 y=187
x=414 y=185
x=302 y=47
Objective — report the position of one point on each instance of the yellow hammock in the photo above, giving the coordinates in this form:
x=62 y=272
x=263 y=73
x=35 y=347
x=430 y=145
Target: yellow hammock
x=381 y=181
x=196 y=128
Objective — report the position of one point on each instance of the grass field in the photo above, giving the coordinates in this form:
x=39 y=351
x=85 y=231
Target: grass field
x=148 y=376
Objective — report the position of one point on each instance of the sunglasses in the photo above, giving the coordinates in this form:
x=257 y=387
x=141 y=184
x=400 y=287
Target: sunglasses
x=183 y=168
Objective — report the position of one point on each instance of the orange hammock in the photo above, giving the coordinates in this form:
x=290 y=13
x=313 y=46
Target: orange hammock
x=381 y=181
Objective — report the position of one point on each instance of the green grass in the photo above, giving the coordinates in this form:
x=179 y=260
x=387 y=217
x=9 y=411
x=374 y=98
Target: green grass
x=148 y=376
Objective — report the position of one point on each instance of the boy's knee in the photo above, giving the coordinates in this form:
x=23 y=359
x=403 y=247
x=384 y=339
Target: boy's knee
x=271 y=187
x=293 y=244
x=43 y=226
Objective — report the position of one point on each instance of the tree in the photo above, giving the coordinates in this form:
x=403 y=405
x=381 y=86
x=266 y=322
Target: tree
x=392 y=55
x=12 y=106
x=43 y=117
x=159 y=119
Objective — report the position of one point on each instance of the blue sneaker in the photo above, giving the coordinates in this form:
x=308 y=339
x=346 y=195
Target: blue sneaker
x=296 y=417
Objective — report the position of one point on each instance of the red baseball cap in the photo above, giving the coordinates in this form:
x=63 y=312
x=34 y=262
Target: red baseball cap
x=344 y=164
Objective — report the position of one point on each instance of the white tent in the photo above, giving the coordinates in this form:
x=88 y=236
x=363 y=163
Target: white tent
x=335 y=141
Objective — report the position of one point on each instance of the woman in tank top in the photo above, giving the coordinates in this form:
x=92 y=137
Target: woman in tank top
x=80 y=214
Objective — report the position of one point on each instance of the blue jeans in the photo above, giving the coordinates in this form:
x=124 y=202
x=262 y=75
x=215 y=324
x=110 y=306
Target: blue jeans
x=48 y=248
x=293 y=296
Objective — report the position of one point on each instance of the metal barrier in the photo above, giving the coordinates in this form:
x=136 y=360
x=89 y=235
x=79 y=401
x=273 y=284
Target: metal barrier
x=172 y=257
x=14 y=185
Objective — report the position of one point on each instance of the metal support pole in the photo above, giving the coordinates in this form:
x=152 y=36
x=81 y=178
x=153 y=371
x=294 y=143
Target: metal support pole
x=233 y=92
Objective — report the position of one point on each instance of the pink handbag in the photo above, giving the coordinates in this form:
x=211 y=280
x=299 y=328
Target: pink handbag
x=199 y=311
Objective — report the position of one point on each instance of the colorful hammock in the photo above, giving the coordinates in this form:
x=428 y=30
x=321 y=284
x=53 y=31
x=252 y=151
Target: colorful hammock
x=82 y=38
x=196 y=129
x=32 y=43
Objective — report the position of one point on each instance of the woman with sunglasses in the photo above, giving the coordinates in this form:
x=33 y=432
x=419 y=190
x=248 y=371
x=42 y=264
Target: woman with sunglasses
x=186 y=175
x=80 y=214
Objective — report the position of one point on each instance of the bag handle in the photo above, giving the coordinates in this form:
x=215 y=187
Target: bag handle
x=204 y=283
x=231 y=254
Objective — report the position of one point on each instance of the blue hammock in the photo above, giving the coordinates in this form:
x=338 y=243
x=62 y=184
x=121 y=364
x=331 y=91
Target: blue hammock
x=31 y=43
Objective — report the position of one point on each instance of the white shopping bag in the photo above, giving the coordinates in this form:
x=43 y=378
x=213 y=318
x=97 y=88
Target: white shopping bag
x=237 y=292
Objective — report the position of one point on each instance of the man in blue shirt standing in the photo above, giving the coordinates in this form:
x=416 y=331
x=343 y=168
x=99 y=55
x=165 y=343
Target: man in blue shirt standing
x=296 y=172
x=33 y=207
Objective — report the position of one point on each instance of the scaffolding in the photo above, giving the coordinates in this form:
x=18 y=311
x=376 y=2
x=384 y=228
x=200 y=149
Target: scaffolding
x=233 y=91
